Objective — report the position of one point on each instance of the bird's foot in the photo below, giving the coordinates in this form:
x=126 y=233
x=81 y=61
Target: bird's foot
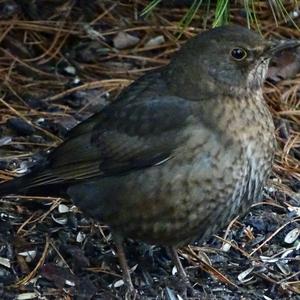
x=187 y=287
x=131 y=293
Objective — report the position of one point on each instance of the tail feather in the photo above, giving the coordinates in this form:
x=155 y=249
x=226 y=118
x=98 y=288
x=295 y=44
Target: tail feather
x=45 y=181
x=28 y=186
x=14 y=186
x=26 y=183
x=21 y=185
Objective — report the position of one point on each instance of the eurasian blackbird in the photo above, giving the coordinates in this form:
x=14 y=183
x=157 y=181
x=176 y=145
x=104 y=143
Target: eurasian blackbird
x=182 y=151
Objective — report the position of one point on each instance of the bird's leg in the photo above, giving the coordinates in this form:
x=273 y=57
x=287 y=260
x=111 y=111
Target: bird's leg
x=180 y=269
x=123 y=262
x=182 y=274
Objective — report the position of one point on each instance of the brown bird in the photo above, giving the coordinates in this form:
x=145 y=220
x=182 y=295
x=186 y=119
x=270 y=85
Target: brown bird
x=182 y=151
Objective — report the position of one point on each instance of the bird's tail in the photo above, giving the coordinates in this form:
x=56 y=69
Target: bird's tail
x=14 y=186
x=39 y=182
x=27 y=185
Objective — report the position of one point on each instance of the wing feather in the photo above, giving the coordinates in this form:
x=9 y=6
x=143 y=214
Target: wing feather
x=119 y=139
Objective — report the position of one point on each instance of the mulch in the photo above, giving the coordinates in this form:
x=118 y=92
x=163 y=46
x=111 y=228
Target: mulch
x=62 y=61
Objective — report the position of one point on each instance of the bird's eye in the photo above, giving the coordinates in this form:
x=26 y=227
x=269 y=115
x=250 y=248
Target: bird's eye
x=238 y=54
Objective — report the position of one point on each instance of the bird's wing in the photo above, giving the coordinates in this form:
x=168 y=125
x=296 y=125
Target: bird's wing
x=121 y=138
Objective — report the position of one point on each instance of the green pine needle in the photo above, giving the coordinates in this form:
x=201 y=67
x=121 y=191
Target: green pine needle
x=190 y=14
x=255 y=17
x=286 y=16
x=222 y=12
x=150 y=7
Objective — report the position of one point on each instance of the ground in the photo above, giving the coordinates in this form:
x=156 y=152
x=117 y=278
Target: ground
x=60 y=65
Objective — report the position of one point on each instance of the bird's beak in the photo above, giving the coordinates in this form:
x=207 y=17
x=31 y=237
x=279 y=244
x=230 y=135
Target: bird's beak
x=274 y=47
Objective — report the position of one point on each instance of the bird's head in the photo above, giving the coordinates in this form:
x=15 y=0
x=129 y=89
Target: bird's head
x=231 y=59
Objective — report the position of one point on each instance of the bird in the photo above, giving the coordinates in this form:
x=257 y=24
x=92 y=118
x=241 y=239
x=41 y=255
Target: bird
x=181 y=152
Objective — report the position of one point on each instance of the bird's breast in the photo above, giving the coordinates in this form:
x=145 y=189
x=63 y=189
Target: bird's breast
x=214 y=174
x=254 y=130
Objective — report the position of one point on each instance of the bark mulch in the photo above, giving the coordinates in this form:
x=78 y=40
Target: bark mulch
x=62 y=61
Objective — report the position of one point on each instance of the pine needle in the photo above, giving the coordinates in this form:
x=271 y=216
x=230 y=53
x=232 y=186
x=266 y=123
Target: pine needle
x=149 y=8
x=277 y=8
x=221 y=13
x=188 y=17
